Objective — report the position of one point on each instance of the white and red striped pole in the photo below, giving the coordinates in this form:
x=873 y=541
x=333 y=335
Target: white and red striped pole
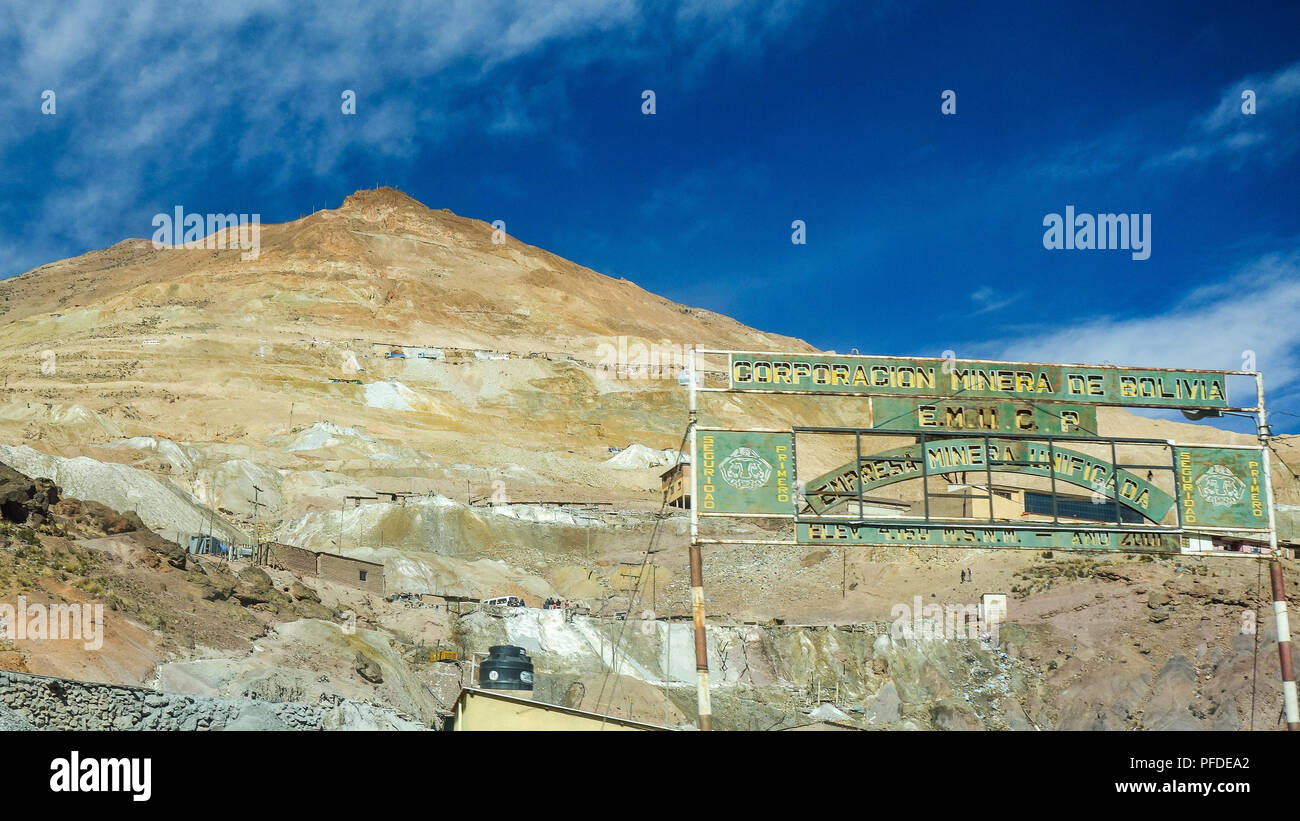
x=1284 y=645
x=1275 y=567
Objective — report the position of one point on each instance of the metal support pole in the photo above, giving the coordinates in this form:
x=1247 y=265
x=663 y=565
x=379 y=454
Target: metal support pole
x=701 y=638
x=1275 y=572
x=1284 y=645
x=697 y=568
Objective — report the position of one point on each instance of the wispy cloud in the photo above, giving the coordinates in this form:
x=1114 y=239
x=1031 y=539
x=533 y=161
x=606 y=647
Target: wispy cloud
x=1223 y=133
x=166 y=95
x=1226 y=131
x=1253 y=310
x=988 y=299
x=1078 y=160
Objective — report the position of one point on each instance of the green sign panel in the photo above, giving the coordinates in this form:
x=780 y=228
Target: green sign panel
x=1221 y=487
x=880 y=376
x=999 y=455
x=949 y=415
x=743 y=472
x=922 y=535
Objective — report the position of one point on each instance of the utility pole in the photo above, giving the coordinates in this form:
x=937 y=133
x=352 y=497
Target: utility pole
x=697 y=570
x=1289 y=701
x=211 y=514
x=1284 y=643
x=257 y=538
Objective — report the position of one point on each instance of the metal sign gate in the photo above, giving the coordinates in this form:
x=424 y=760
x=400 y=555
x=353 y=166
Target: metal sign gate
x=936 y=423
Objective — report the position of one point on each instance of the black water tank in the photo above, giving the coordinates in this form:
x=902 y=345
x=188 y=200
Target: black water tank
x=506 y=668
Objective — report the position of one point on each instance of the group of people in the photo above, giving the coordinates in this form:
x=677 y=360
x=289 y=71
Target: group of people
x=556 y=604
x=966 y=575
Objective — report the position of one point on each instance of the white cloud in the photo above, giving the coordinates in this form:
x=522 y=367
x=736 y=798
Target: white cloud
x=1104 y=155
x=1226 y=131
x=991 y=299
x=1212 y=328
x=150 y=95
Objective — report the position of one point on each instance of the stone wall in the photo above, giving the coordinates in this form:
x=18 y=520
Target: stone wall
x=354 y=572
x=329 y=566
x=293 y=559
x=49 y=703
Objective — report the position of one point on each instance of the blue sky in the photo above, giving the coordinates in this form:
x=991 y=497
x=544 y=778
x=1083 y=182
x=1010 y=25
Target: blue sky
x=924 y=231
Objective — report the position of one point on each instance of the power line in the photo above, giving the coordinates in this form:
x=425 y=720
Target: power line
x=636 y=591
x=1290 y=470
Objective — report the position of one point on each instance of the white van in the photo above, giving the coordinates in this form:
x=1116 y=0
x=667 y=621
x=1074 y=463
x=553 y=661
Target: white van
x=505 y=601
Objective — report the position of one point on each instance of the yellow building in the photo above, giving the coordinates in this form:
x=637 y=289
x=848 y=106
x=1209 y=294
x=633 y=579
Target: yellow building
x=479 y=709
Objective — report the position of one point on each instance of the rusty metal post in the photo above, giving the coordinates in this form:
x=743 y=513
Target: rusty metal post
x=697 y=568
x=1284 y=644
x=701 y=638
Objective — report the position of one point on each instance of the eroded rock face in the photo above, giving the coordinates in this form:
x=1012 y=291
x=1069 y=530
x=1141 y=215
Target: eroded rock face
x=39 y=503
x=1173 y=698
x=25 y=501
x=91 y=519
x=168 y=551
x=40 y=702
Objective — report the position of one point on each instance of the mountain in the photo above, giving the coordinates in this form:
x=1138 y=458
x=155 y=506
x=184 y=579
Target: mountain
x=202 y=345
x=385 y=381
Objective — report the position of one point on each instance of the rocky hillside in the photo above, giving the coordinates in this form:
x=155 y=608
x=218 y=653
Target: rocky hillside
x=389 y=382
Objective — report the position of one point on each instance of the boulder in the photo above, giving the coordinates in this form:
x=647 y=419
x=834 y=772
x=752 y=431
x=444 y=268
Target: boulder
x=247 y=594
x=25 y=501
x=308 y=609
x=884 y=708
x=369 y=669
x=255 y=587
x=255 y=577
x=301 y=592
x=216 y=586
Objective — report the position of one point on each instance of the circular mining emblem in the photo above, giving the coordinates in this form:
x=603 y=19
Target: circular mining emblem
x=1220 y=486
x=744 y=469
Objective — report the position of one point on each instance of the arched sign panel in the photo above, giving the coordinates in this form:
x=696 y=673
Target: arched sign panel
x=1034 y=458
